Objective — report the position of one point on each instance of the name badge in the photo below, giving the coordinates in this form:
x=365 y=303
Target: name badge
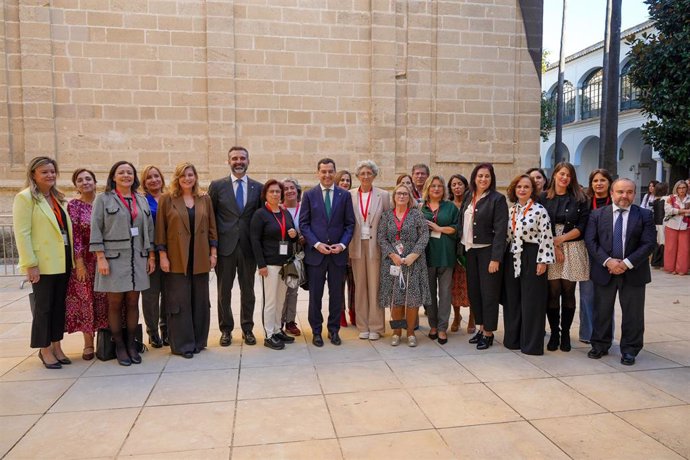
x=399 y=248
x=395 y=270
x=435 y=234
x=283 y=248
x=134 y=231
x=65 y=239
x=366 y=231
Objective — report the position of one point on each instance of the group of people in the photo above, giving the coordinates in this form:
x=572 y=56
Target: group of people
x=427 y=243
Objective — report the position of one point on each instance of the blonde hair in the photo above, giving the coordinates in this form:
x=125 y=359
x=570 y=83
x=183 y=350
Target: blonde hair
x=427 y=186
x=175 y=189
x=411 y=203
x=145 y=173
x=33 y=165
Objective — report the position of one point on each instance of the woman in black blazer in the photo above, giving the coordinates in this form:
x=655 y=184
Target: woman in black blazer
x=568 y=209
x=482 y=230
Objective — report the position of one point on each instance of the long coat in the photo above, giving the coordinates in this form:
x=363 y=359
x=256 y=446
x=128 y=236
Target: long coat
x=174 y=235
x=126 y=254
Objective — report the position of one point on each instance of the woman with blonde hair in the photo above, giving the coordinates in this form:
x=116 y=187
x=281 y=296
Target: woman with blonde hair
x=152 y=300
x=43 y=231
x=186 y=241
x=677 y=230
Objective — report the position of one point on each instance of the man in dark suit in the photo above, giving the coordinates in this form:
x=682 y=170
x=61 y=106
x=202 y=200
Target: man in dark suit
x=235 y=198
x=327 y=221
x=620 y=239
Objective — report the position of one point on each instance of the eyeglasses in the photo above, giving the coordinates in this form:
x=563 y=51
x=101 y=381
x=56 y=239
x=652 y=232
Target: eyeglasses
x=402 y=194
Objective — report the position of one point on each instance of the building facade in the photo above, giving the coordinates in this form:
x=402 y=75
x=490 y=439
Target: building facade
x=447 y=83
x=582 y=92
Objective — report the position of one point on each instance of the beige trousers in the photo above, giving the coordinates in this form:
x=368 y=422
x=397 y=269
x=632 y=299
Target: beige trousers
x=370 y=318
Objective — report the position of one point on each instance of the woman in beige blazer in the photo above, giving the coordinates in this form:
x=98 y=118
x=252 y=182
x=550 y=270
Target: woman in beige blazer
x=186 y=239
x=43 y=231
x=369 y=203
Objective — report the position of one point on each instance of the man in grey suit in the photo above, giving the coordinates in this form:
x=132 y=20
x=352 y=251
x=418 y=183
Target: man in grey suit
x=235 y=198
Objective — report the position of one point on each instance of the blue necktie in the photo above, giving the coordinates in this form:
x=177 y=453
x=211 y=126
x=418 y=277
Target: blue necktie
x=617 y=250
x=239 y=195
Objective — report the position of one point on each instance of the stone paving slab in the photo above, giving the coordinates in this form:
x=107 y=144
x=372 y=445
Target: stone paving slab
x=364 y=399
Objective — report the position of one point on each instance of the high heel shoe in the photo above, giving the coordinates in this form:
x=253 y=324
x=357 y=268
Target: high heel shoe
x=55 y=365
x=485 y=342
x=155 y=340
x=433 y=335
x=121 y=354
x=133 y=353
x=477 y=337
x=443 y=340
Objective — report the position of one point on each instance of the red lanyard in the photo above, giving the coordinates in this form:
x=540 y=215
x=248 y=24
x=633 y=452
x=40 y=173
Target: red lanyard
x=434 y=213
x=282 y=225
x=365 y=211
x=399 y=222
x=523 y=214
x=594 y=201
x=56 y=210
x=132 y=210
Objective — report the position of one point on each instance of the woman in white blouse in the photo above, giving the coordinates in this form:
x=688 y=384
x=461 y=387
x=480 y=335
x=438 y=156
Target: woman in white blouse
x=529 y=250
x=677 y=231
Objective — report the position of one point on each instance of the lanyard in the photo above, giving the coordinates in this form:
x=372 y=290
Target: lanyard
x=365 y=211
x=294 y=216
x=281 y=224
x=132 y=210
x=594 y=201
x=399 y=222
x=56 y=210
x=434 y=216
x=524 y=214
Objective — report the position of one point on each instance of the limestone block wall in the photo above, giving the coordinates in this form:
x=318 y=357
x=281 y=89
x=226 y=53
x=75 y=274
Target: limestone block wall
x=448 y=83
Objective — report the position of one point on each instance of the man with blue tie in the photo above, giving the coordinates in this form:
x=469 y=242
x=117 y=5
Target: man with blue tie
x=327 y=221
x=235 y=198
x=620 y=239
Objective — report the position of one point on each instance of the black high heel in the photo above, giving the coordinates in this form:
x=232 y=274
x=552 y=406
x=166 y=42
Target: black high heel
x=56 y=365
x=485 y=342
x=477 y=337
x=443 y=340
x=121 y=354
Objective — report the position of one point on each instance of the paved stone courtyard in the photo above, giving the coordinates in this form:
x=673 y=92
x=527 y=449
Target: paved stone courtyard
x=361 y=400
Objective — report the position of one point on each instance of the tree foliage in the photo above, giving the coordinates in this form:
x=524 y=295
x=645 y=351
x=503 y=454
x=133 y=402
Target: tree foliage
x=660 y=68
x=548 y=106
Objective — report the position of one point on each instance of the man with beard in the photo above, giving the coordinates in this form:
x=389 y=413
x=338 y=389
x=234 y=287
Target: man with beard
x=235 y=198
x=620 y=239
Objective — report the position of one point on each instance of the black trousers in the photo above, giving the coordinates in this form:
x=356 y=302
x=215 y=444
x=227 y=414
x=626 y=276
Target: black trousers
x=483 y=288
x=244 y=266
x=189 y=312
x=317 y=275
x=153 y=304
x=631 y=299
x=524 y=303
x=48 y=324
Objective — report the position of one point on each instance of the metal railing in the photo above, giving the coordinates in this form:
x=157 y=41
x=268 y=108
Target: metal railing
x=10 y=257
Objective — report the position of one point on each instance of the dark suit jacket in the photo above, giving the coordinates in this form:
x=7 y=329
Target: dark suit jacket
x=640 y=240
x=174 y=235
x=316 y=228
x=490 y=223
x=233 y=227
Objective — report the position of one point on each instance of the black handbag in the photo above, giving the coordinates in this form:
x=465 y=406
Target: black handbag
x=105 y=347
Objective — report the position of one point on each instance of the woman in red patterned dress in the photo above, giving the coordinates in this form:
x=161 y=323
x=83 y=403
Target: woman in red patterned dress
x=457 y=189
x=86 y=310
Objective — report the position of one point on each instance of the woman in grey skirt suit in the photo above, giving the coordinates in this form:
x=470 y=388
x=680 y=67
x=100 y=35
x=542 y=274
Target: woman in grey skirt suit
x=404 y=286
x=122 y=238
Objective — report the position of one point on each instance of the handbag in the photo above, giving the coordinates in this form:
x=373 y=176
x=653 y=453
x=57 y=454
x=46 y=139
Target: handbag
x=105 y=347
x=294 y=273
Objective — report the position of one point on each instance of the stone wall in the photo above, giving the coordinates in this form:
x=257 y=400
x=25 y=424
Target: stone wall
x=448 y=83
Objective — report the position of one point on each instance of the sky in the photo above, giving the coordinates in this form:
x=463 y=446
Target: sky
x=584 y=23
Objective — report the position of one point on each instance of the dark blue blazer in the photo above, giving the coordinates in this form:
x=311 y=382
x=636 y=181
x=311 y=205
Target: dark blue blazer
x=316 y=228
x=640 y=241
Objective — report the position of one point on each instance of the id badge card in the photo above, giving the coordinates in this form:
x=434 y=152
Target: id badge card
x=399 y=248
x=366 y=231
x=435 y=234
x=65 y=239
x=134 y=231
x=395 y=270
x=283 y=248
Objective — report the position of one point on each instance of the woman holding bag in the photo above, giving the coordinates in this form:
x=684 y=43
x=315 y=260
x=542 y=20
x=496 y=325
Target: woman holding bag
x=272 y=236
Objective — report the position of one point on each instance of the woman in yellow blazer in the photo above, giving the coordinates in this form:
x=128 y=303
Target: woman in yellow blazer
x=43 y=231
x=186 y=240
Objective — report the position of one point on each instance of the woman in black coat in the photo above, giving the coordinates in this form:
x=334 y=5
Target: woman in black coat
x=482 y=230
